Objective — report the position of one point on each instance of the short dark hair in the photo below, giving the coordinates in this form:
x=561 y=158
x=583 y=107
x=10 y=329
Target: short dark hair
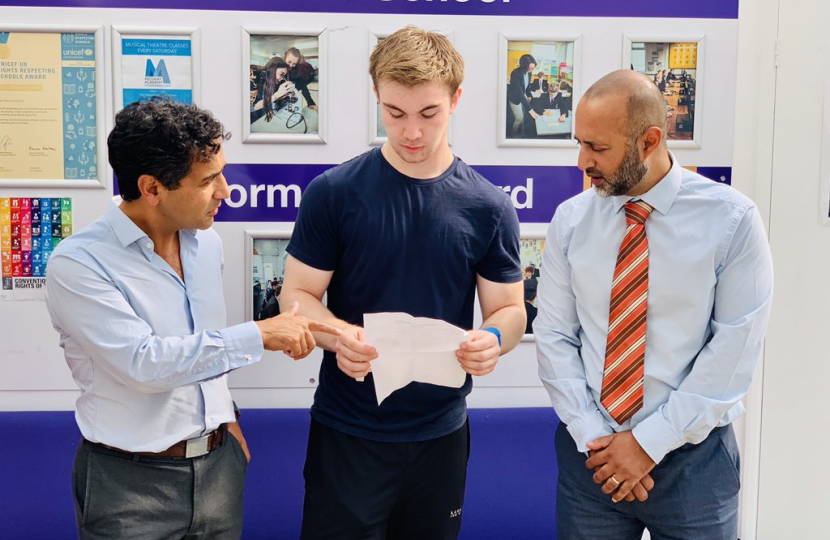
x=161 y=138
x=526 y=60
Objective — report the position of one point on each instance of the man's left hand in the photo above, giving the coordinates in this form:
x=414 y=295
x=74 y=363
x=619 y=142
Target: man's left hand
x=480 y=354
x=236 y=431
x=618 y=456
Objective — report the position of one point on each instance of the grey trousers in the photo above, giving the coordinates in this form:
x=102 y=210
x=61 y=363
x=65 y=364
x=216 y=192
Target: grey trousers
x=136 y=498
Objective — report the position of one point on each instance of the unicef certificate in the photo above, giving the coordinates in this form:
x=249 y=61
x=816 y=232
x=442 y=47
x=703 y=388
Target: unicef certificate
x=48 y=106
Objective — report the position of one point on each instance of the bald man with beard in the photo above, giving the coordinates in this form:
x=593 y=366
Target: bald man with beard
x=654 y=299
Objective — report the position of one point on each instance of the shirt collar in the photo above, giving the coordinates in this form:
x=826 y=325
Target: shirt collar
x=124 y=228
x=662 y=195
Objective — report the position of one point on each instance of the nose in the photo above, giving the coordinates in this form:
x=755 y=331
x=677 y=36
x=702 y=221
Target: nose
x=412 y=129
x=223 y=190
x=585 y=161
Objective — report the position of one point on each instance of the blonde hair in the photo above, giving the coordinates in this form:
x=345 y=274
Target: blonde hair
x=413 y=56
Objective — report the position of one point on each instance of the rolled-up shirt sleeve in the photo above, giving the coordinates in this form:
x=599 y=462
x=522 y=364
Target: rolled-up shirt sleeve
x=88 y=308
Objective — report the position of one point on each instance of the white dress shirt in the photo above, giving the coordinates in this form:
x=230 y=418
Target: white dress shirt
x=709 y=294
x=149 y=351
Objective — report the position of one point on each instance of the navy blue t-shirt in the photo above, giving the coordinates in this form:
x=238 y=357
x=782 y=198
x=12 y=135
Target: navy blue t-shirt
x=396 y=243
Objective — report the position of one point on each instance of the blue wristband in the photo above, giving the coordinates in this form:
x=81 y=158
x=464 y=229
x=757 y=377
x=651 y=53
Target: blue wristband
x=494 y=331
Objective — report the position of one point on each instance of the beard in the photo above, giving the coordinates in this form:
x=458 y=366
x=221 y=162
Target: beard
x=630 y=172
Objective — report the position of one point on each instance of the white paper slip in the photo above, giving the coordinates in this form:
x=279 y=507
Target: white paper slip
x=413 y=349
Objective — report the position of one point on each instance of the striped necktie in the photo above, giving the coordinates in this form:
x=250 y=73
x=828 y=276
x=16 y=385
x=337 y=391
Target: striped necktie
x=622 y=380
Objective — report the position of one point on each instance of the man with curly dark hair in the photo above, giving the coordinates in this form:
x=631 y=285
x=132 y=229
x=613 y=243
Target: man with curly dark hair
x=137 y=299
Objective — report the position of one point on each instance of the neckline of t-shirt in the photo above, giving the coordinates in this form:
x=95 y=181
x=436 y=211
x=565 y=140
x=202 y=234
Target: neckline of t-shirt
x=417 y=181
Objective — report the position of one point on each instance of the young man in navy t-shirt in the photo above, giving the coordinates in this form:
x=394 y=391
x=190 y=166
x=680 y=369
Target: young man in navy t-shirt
x=406 y=227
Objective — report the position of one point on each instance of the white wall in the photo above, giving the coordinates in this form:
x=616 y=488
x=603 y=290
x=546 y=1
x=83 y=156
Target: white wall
x=793 y=494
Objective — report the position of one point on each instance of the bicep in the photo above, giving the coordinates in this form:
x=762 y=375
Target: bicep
x=302 y=277
x=494 y=296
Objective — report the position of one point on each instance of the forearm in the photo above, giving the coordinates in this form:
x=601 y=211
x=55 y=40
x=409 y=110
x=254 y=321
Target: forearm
x=96 y=315
x=511 y=321
x=312 y=308
x=159 y=364
x=307 y=95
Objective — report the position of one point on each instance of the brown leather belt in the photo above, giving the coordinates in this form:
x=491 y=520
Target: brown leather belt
x=183 y=449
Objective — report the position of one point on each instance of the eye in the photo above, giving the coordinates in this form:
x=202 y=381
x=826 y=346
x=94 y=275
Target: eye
x=429 y=115
x=393 y=115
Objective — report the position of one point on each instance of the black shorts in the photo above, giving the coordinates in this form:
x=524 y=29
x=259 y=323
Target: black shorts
x=358 y=489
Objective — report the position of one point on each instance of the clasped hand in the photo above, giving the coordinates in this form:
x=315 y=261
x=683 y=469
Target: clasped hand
x=621 y=466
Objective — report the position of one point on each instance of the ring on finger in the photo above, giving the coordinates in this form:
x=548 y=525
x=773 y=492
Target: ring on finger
x=616 y=482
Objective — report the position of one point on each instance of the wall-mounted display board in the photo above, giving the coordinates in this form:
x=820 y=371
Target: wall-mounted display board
x=319 y=54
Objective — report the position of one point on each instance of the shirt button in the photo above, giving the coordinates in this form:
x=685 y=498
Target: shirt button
x=247 y=357
x=149 y=245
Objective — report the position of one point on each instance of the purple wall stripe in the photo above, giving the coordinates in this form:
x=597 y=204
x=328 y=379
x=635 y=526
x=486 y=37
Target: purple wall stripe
x=698 y=9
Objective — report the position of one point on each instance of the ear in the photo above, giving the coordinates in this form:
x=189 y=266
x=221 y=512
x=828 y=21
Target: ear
x=454 y=100
x=151 y=189
x=651 y=141
x=375 y=91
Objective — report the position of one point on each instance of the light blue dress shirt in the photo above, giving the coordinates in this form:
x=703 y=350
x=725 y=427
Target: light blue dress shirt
x=149 y=351
x=709 y=294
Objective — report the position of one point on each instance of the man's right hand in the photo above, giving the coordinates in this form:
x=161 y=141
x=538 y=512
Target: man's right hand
x=292 y=333
x=640 y=490
x=353 y=354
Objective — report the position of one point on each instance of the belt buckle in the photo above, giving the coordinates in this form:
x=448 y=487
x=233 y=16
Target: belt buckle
x=196 y=447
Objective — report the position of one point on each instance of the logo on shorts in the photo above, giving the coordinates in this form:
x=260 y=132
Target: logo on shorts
x=455 y=513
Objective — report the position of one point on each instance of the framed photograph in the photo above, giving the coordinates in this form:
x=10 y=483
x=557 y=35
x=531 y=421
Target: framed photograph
x=265 y=259
x=531 y=248
x=539 y=79
x=675 y=64
x=51 y=114
x=283 y=86
x=149 y=62
x=377 y=131
x=266 y=256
